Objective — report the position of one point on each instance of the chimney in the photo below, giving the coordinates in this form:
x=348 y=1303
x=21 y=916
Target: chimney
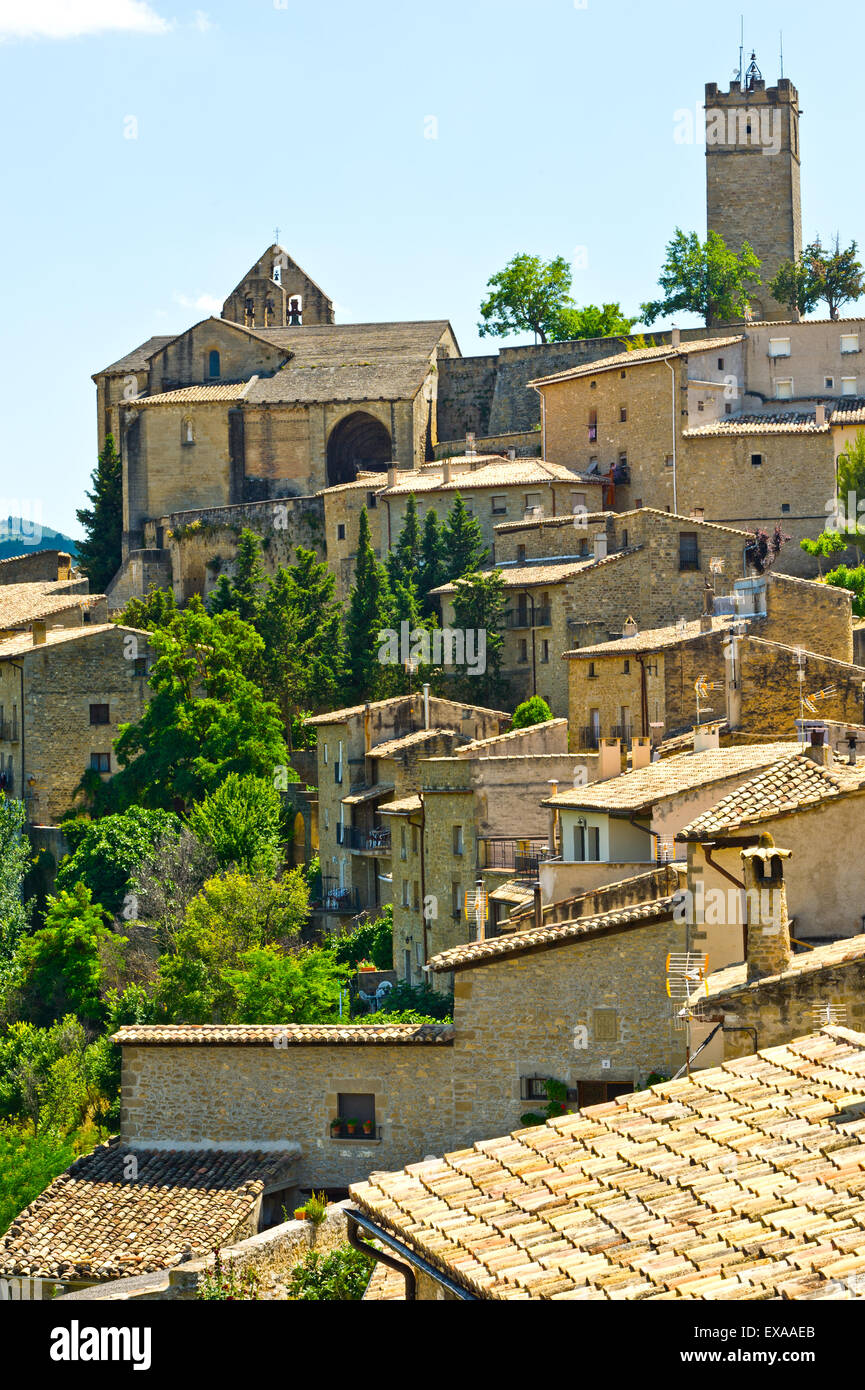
x=630 y=629
x=705 y=622
x=447 y=471
x=537 y=906
x=768 y=926
x=609 y=759
x=391 y=475
x=641 y=753
x=40 y=631
x=818 y=749
x=367 y=733
x=551 y=837
x=601 y=545
x=820 y=416
x=706 y=736
x=676 y=338
x=512 y=454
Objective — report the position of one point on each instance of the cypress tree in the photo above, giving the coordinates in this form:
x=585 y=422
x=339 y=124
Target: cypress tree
x=99 y=554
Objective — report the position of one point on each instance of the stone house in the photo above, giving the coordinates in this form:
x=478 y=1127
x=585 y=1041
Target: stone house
x=63 y=695
x=474 y=821
x=811 y=802
x=38 y=567
x=767 y=999
x=619 y=826
x=368 y=755
x=648 y=1197
x=62 y=604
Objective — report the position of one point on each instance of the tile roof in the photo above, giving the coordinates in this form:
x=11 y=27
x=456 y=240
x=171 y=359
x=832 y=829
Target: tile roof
x=522 y=943
x=643 y=788
x=733 y=979
x=392 y=747
x=26 y=603
x=637 y=357
x=350 y=362
x=500 y=473
x=404 y=807
x=795 y=784
x=850 y=410
x=92 y=1223
x=652 y=640
x=745 y=1182
x=139 y=358
x=548 y=572
x=370 y=480
x=511 y=738
x=289 y=1034
x=341 y=716
x=23 y=645
x=367 y=794
x=197 y=395
x=793 y=422
x=671 y=518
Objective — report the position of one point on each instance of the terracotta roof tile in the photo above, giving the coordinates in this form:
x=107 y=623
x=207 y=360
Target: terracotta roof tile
x=197 y=395
x=733 y=979
x=283 y=1035
x=93 y=1223
x=498 y=472
x=21 y=604
x=789 y=786
x=652 y=640
x=644 y=1198
x=638 y=356
x=790 y=422
x=23 y=645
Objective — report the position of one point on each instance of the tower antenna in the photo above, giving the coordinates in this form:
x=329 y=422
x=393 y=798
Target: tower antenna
x=742 y=50
x=782 y=52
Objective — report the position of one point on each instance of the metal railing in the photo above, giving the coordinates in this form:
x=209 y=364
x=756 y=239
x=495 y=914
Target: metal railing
x=522 y=856
x=588 y=738
x=689 y=557
x=625 y=732
x=526 y=617
x=358 y=839
x=335 y=897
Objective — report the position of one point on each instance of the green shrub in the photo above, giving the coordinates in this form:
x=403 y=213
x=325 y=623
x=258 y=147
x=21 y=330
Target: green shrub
x=533 y=711
x=221 y=1284
x=421 y=1000
x=28 y=1163
x=340 y=1277
x=373 y=941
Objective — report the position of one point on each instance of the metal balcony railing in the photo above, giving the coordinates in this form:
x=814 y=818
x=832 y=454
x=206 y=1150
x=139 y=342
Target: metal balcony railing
x=335 y=897
x=521 y=856
x=360 y=839
x=588 y=738
x=525 y=617
x=625 y=732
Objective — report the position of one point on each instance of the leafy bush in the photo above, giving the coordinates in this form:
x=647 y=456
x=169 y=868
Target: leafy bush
x=533 y=711
x=60 y=969
x=557 y=1095
x=28 y=1163
x=373 y=940
x=108 y=853
x=401 y=1016
x=220 y=1283
x=240 y=821
x=340 y=1277
x=421 y=1000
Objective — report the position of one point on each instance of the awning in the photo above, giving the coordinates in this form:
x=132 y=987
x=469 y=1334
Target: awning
x=510 y=893
x=405 y=807
x=369 y=794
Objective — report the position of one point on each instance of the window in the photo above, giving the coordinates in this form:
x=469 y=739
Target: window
x=295 y=311
x=371 y=501
x=669 y=460
x=458 y=839
x=187 y=433
x=593 y=425
x=605 y=1025
x=500 y=506
x=689 y=554
x=523 y=651
x=849 y=385
x=456 y=901
x=355 y=1117
x=625 y=539
x=623 y=414
x=756 y=460
x=728 y=410
x=829 y=383
x=587 y=844
x=779 y=347
x=623 y=375
x=406 y=892
x=213 y=366
x=638 y=504
x=533 y=499
x=785 y=507
x=720 y=364
x=139 y=666
x=521 y=554
x=784 y=389
x=340 y=531
x=627 y=670
x=849 y=342
x=337 y=767
x=99 y=714
x=325 y=754
x=100 y=762
x=599 y=1092
x=700 y=406
x=578 y=501
x=403 y=848
x=545 y=652
x=414 y=839
x=415 y=895
x=592 y=672
x=407 y=965
x=533 y=1088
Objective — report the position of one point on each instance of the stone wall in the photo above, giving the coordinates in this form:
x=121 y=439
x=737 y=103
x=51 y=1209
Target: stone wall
x=38 y=565
x=526 y=444
x=203 y=543
x=818 y=617
x=785 y=1009
x=770 y=689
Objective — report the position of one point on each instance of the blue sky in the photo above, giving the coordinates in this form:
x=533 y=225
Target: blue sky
x=150 y=149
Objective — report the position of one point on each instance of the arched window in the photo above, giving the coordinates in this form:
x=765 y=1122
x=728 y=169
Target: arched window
x=213 y=368
x=295 y=311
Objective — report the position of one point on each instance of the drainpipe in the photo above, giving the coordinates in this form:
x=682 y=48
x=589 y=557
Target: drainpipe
x=424 y=927
x=675 y=433
x=20 y=670
x=644 y=698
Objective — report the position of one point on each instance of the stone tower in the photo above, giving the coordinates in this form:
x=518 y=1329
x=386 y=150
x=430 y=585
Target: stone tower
x=753 y=175
x=276 y=293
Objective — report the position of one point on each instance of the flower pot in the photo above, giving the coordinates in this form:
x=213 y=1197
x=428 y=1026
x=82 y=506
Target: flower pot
x=352 y=1128
x=300 y=1214
x=367 y=1129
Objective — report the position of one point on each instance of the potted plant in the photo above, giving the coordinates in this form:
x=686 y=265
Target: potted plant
x=300 y=1213
x=365 y=966
x=367 y=1126
x=351 y=1126
x=335 y=1127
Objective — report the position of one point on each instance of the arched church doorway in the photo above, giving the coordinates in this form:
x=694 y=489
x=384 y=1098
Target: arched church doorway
x=358 y=442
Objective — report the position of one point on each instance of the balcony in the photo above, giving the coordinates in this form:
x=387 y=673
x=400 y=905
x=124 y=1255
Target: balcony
x=337 y=898
x=521 y=857
x=526 y=617
x=625 y=732
x=364 y=841
x=588 y=739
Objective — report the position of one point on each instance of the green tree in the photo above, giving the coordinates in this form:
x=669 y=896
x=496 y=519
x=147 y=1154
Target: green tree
x=828 y=543
x=528 y=296
x=369 y=613
x=107 y=854
x=845 y=577
x=706 y=278
x=156 y=609
x=300 y=622
x=28 y=1164
x=339 y=1277
x=243 y=592
x=272 y=986
x=794 y=287
x=43 y=1075
x=462 y=541
x=99 y=554
x=479 y=604
x=207 y=715
x=834 y=276
x=59 y=969
x=369 y=941
x=606 y=321
x=404 y=559
x=431 y=568
x=14 y=857
x=532 y=711
x=240 y=820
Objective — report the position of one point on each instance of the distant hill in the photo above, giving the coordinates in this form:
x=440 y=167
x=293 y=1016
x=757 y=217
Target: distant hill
x=14 y=533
